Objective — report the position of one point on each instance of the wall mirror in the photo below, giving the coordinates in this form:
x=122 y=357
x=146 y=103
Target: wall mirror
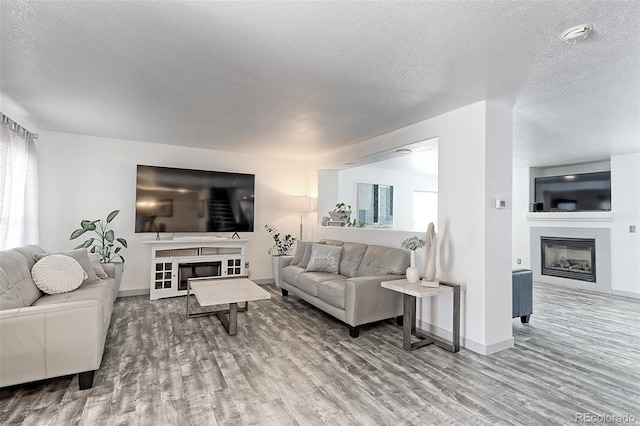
x=375 y=205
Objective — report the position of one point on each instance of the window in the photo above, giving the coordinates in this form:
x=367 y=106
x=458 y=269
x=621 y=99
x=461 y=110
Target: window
x=18 y=186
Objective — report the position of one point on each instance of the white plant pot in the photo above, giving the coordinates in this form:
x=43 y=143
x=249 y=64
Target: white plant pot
x=340 y=216
x=275 y=264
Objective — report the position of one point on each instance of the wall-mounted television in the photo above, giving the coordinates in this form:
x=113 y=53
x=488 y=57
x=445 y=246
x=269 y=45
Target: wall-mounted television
x=184 y=200
x=574 y=192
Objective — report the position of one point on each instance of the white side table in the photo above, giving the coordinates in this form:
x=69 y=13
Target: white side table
x=413 y=291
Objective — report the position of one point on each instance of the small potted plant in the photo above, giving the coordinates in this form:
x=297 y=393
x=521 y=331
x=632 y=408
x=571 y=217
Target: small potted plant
x=281 y=247
x=341 y=213
x=106 y=244
x=352 y=223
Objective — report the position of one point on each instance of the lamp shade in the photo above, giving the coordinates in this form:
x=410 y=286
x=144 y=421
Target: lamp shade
x=302 y=204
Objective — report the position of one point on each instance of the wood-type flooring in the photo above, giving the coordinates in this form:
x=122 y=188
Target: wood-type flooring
x=578 y=360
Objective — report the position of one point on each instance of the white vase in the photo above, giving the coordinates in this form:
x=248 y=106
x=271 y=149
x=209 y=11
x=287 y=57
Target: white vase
x=413 y=274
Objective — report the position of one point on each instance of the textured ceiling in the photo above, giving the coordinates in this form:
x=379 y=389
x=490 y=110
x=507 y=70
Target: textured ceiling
x=299 y=79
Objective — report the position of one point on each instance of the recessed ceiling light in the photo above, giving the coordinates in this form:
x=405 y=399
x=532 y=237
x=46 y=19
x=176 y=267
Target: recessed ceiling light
x=403 y=151
x=577 y=33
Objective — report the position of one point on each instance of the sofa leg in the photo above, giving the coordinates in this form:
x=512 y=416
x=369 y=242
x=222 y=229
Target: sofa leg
x=354 y=331
x=285 y=293
x=525 y=319
x=85 y=379
x=400 y=320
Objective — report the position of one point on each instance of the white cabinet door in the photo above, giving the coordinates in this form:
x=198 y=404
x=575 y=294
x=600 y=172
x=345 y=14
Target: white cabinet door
x=164 y=278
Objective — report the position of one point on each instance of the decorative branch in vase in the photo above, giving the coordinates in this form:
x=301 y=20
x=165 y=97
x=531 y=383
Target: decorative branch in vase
x=412 y=244
x=282 y=246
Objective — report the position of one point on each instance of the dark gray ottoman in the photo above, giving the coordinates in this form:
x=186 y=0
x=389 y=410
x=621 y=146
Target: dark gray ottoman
x=522 y=281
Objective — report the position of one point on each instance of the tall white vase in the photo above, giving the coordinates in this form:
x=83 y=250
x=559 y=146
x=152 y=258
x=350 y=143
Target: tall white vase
x=430 y=271
x=413 y=274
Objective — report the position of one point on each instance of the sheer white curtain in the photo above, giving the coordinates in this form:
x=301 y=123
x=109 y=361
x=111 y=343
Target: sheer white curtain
x=19 y=220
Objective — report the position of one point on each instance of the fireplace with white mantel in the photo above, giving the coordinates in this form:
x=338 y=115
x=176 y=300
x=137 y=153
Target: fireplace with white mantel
x=572 y=257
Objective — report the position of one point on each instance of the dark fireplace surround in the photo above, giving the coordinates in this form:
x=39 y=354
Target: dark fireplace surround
x=572 y=258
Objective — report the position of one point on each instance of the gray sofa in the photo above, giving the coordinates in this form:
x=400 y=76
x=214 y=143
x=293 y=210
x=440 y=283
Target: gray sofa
x=44 y=336
x=351 y=292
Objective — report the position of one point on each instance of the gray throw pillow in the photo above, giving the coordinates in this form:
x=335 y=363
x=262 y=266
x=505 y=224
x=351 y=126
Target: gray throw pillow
x=306 y=256
x=82 y=256
x=325 y=258
x=97 y=266
x=297 y=257
x=17 y=288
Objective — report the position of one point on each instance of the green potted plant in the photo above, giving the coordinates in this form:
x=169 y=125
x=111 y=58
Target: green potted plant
x=105 y=244
x=352 y=223
x=281 y=247
x=341 y=213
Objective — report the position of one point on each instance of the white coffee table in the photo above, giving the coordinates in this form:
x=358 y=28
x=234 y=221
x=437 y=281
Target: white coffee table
x=216 y=291
x=413 y=291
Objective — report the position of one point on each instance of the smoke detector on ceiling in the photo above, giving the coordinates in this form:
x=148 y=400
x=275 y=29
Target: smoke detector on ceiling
x=577 y=33
x=403 y=151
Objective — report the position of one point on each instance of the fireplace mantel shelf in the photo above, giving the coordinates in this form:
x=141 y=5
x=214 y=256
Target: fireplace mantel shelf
x=571 y=216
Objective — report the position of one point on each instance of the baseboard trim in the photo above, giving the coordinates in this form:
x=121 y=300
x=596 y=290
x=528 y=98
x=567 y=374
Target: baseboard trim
x=497 y=347
x=135 y=292
x=630 y=294
x=468 y=343
x=263 y=281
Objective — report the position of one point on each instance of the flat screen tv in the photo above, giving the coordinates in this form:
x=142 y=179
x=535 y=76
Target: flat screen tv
x=576 y=192
x=184 y=200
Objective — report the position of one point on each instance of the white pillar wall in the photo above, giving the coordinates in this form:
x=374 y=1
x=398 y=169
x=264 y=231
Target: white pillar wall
x=474 y=241
x=625 y=242
x=497 y=186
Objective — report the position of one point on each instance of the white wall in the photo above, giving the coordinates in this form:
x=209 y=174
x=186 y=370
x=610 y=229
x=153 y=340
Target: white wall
x=520 y=225
x=625 y=204
x=470 y=140
x=497 y=251
x=85 y=177
x=404 y=183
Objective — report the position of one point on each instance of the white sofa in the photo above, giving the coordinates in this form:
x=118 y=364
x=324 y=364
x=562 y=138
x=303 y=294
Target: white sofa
x=352 y=293
x=53 y=335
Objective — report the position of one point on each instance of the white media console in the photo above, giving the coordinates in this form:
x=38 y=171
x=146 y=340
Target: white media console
x=173 y=262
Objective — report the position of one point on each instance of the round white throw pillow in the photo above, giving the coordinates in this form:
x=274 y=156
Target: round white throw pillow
x=57 y=274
